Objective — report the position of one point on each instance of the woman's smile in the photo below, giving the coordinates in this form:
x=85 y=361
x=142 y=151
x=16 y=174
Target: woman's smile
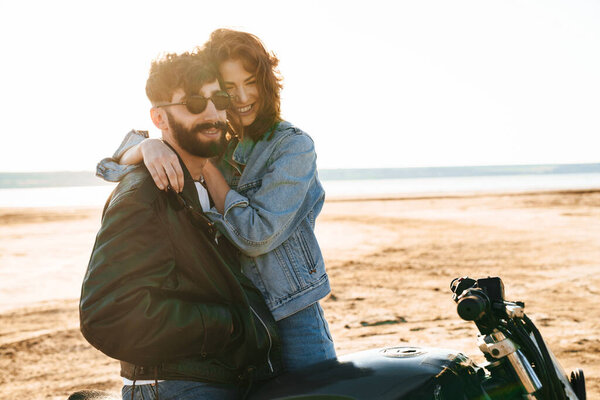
x=242 y=86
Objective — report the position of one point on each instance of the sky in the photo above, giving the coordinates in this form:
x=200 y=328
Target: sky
x=377 y=84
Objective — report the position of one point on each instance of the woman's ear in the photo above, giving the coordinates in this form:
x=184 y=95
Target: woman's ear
x=159 y=118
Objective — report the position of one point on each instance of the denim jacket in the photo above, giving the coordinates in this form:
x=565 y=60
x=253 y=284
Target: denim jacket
x=269 y=214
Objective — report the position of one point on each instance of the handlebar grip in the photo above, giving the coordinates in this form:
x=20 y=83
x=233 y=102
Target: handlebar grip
x=471 y=307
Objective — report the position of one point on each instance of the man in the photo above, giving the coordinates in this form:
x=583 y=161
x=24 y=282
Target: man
x=163 y=294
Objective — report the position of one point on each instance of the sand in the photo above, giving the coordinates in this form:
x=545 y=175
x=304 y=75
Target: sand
x=390 y=262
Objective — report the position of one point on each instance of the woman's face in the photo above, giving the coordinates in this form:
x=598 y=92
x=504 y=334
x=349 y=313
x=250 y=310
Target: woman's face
x=243 y=88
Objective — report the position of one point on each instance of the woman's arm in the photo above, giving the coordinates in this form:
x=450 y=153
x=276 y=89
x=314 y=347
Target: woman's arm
x=162 y=163
x=133 y=155
x=216 y=184
x=109 y=168
x=260 y=224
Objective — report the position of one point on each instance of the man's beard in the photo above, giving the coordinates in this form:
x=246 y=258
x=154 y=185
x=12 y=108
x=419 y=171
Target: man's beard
x=188 y=139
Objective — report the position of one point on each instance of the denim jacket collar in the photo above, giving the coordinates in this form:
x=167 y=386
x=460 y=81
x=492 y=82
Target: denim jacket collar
x=242 y=151
x=244 y=147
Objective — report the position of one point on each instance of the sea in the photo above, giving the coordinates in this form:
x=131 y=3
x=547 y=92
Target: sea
x=84 y=189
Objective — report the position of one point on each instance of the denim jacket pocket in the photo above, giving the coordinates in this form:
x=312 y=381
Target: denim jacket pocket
x=314 y=263
x=300 y=255
x=308 y=257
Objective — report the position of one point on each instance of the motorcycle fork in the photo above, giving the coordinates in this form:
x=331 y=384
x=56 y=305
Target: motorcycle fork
x=497 y=346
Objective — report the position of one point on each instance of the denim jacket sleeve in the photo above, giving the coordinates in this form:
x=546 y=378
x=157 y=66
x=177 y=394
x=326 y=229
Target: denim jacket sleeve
x=260 y=224
x=109 y=168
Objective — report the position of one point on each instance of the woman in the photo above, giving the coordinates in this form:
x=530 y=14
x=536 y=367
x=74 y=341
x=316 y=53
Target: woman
x=266 y=196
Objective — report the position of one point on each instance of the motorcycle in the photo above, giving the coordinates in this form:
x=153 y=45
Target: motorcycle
x=519 y=364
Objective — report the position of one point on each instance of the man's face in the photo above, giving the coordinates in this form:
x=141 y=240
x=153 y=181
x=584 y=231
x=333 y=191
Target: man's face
x=201 y=134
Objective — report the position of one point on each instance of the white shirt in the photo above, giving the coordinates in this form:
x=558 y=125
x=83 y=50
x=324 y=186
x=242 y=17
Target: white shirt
x=203 y=196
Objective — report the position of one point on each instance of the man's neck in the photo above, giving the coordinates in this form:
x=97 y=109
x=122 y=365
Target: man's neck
x=193 y=163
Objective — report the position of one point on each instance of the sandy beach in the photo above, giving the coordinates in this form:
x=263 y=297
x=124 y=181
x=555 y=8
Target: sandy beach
x=390 y=262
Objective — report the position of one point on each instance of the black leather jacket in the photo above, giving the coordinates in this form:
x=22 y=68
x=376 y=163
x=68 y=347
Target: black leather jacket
x=168 y=300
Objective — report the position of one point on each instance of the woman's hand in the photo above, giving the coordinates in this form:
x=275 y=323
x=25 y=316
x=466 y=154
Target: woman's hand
x=216 y=184
x=163 y=164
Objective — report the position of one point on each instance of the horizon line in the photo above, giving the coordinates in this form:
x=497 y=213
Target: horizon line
x=61 y=171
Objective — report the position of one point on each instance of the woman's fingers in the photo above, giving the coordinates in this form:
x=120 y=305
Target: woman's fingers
x=159 y=176
x=179 y=172
x=175 y=174
x=163 y=164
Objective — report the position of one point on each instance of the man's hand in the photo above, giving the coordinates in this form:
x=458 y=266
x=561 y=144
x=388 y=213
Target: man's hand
x=163 y=164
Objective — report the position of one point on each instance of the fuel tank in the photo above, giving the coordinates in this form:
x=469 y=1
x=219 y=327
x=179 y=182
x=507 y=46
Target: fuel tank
x=390 y=373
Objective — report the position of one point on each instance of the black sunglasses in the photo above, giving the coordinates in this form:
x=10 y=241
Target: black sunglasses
x=197 y=104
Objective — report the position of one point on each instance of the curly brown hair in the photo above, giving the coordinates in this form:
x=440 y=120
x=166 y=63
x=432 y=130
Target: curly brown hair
x=172 y=71
x=227 y=44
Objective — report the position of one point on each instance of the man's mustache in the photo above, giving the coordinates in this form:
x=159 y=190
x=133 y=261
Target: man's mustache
x=222 y=126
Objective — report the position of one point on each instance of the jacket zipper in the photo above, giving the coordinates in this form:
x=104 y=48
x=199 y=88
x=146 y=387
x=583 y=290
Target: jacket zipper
x=270 y=339
x=203 y=349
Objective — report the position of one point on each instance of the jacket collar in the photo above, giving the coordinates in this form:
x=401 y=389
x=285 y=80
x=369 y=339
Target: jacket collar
x=244 y=148
x=242 y=151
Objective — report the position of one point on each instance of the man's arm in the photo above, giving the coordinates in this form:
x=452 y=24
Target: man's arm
x=129 y=307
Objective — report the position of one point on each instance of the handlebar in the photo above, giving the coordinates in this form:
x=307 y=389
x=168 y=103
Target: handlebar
x=472 y=306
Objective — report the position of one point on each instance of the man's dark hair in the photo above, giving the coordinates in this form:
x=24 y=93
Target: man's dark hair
x=173 y=71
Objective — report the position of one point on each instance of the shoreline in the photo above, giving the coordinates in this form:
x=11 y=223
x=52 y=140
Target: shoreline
x=460 y=195
x=365 y=197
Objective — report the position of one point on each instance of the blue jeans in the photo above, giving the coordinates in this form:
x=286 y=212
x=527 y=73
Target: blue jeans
x=305 y=338
x=182 y=390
